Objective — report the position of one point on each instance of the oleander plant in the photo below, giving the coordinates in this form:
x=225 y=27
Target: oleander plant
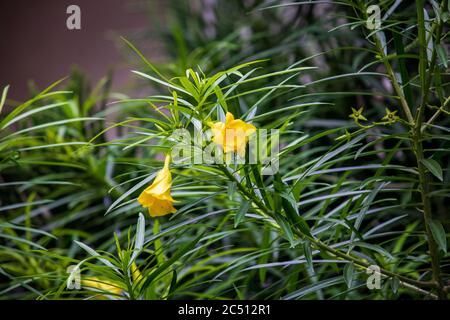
x=289 y=150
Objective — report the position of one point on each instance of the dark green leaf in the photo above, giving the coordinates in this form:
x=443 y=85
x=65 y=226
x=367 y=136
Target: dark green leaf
x=241 y=212
x=434 y=167
x=395 y=283
x=308 y=253
x=439 y=234
x=442 y=54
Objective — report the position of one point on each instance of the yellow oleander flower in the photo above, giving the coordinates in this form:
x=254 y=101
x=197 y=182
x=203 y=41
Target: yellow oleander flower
x=157 y=196
x=103 y=286
x=233 y=134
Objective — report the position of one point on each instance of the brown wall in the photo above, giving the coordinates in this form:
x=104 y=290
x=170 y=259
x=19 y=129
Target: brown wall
x=36 y=44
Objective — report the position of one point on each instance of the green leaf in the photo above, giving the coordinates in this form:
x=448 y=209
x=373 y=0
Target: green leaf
x=444 y=16
x=442 y=54
x=349 y=271
x=175 y=258
x=308 y=253
x=434 y=167
x=140 y=237
x=439 y=234
x=21 y=240
x=265 y=244
x=398 y=41
x=3 y=98
x=139 y=53
x=173 y=282
x=28 y=103
x=313 y=288
x=395 y=283
x=94 y=253
x=436 y=10
x=241 y=212
x=133 y=189
x=290 y=206
x=231 y=190
x=286 y=228
x=429 y=36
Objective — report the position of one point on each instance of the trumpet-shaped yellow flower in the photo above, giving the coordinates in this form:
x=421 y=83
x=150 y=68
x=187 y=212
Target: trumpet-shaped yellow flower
x=233 y=134
x=104 y=286
x=156 y=197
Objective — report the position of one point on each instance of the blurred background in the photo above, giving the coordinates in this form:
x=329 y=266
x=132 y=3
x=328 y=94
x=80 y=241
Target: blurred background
x=37 y=48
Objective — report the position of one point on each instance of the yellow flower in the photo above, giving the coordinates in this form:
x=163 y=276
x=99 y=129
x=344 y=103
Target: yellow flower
x=390 y=116
x=357 y=114
x=156 y=197
x=104 y=286
x=233 y=134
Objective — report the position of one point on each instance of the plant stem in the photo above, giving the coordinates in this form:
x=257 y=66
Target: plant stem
x=424 y=180
x=397 y=88
x=405 y=281
x=424 y=184
x=436 y=114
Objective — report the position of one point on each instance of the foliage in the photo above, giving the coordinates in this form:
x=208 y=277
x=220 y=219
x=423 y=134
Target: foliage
x=363 y=164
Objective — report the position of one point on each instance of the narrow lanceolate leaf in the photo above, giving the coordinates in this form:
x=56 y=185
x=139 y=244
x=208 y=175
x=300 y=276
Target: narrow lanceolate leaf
x=313 y=288
x=434 y=167
x=3 y=98
x=129 y=192
x=241 y=212
x=19 y=239
x=175 y=257
x=164 y=83
x=349 y=271
x=439 y=234
x=308 y=253
x=423 y=48
x=398 y=41
x=429 y=37
x=296 y=219
x=395 y=283
x=140 y=235
x=140 y=232
x=231 y=190
x=34 y=111
x=94 y=253
x=173 y=282
x=382 y=38
x=286 y=228
x=290 y=206
x=28 y=103
x=442 y=54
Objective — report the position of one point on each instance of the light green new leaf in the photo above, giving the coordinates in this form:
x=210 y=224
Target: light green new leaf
x=140 y=237
x=3 y=98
